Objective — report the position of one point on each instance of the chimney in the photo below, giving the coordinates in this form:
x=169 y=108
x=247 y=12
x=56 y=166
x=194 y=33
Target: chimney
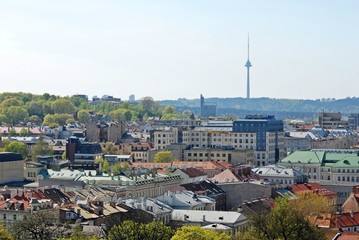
x=78 y=211
x=351 y=214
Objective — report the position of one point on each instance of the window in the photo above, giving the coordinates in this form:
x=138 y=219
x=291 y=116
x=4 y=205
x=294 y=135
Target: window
x=14 y=217
x=4 y=216
x=338 y=178
x=189 y=154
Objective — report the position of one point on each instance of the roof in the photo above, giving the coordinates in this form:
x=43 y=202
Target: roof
x=305 y=157
x=208 y=187
x=351 y=204
x=221 y=217
x=312 y=187
x=276 y=171
x=217 y=226
x=193 y=172
x=238 y=175
x=10 y=157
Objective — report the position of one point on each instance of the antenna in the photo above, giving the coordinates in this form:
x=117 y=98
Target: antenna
x=248 y=46
x=248 y=65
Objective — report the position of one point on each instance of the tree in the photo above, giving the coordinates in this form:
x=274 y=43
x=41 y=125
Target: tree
x=163 y=156
x=118 y=167
x=127 y=115
x=62 y=105
x=15 y=114
x=168 y=110
x=198 y=233
x=110 y=148
x=24 y=132
x=40 y=148
x=35 y=226
x=147 y=103
x=17 y=147
x=4 y=234
x=140 y=231
x=311 y=204
x=83 y=116
x=283 y=222
x=104 y=165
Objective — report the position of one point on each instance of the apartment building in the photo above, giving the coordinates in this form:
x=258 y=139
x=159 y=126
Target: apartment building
x=332 y=120
x=163 y=138
x=267 y=136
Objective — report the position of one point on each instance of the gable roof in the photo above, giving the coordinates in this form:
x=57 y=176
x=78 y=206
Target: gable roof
x=193 y=172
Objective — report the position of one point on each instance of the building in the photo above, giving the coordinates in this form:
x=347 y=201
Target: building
x=207 y=109
x=279 y=175
x=315 y=188
x=11 y=167
x=33 y=170
x=332 y=120
x=267 y=137
x=336 y=169
x=82 y=152
x=163 y=138
x=187 y=200
x=353 y=121
x=105 y=132
x=208 y=188
x=190 y=175
x=234 y=220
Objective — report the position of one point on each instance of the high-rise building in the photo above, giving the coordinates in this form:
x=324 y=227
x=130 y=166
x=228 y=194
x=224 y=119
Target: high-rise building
x=269 y=147
x=207 y=109
x=354 y=121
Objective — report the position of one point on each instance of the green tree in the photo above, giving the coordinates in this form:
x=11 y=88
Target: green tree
x=35 y=226
x=116 y=115
x=131 y=230
x=147 y=103
x=127 y=115
x=40 y=148
x=17 y=147
x=15 y=114
x=118 y=167
x=10 y=102
x=168 y=110
x=4 y=234
x=24 y=132
x=62 y=105
x=110 y=148
x=163 y=157
x=283 y=222
x=198 y=233
x=83 y=116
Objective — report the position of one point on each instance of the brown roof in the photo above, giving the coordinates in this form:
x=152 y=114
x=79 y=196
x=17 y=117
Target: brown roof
x=351 y=204
x=312 y=187
x=193 y=172
x=235 y=176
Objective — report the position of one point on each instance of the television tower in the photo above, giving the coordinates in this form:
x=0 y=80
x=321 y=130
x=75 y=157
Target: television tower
x=248 y=65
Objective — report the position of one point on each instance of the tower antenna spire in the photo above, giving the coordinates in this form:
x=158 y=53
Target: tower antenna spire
x=248 y=65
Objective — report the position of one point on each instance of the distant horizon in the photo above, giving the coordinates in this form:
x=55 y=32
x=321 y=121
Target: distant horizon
x=138 y=99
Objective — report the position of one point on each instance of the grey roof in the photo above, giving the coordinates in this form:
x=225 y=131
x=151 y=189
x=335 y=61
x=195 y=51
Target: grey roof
x=221 y=217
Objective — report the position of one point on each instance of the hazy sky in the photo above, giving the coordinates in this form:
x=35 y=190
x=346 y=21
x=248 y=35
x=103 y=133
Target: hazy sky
x=180 y=48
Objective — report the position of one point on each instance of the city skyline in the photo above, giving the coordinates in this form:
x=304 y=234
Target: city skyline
x=179 y=49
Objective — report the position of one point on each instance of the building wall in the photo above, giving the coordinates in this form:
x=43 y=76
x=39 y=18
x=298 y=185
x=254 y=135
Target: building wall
x=115 y=131
x=11 y=171
x=237 y=193
x=164 y=138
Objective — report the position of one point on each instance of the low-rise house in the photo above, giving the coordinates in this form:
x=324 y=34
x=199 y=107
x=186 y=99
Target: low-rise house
x=20 y=207
x=187 y=200
x=280 y=175
x=352 y=202
x=234 y=220
x=152 y=208
x=209 y=189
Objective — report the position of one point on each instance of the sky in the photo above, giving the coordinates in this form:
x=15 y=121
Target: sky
x=174 y=49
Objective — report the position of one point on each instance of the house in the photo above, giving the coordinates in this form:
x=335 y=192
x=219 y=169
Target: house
x=153 y=209
x=280 y=175
x=20 y=207
x=187 y=200
x=209 y=189
x=241 y=174
x=352 y=202
x=234 y=220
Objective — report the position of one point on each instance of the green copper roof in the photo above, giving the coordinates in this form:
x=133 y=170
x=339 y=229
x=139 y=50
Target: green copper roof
x=327 y=159
x=348 y=162
x=305 y=157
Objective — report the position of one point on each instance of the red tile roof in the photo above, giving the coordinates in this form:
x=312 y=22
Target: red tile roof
x=312 y=187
